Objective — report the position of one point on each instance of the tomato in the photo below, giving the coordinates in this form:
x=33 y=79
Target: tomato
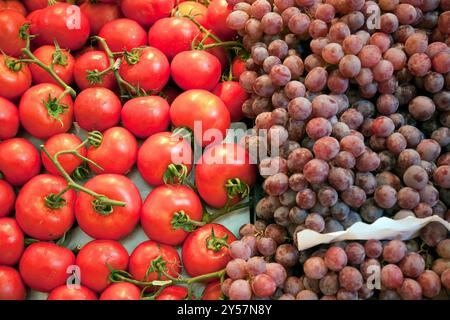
x=205 y=251
x=218 y=11
x=203 y=65
x=9 y=119
x=114 y=222
x=121 y=291
x=11 y=284
x=33 y=5
x=7 y=199
x=171 y=92
x=219 y=52
x=202 y=112
x=91 y=61
x=97 y=109
x=13 y=83
x=155 y=64
x=116 y=154
x=173 y=293
x=237 y=67
x=123 y=34
x=158 y=152
x=145 y=116
x=10 y=41
x=93 y=259
x=11 y=242
x=141 y=260
x=213 y=291
x=62 y=142
x=159 y=213
x=195 y=10
x=173 y=35
x=19 y=161
x=146 y=12
x=13 y=5
x=63 y=66
x=72 y=293
x=44 y=266
x=232 y=94
x=99 y=14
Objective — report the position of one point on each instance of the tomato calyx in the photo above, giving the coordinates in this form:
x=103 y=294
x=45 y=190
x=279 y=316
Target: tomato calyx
x=237 y=188
x=181 y=220
x=58 y=57
x=55 y=201
x=13 y=64
x=95 y=138
x=55 y=107
x=23 y=31
x=82 y=172
x=159 y=266
x=215 y=243
x=133 y=57
x=175 y=173
x=102 y=206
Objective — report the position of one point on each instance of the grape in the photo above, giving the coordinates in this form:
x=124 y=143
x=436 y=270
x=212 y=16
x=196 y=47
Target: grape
x=396 y=143
x=287 y=255
x=250 y=241
x=394 y=251
x=429 y=195
x=346 y=295
x=306 y=199
x=412 y=265
x=281 y=214
x=315 y=268
x=306 y=295
x=236 y=269
x=272 y=23
x=327 y=197
x=388 y=294
x=316 y=79
x=415 y=177
x=294 y=89
x=353 y=144
x=240 y=290
x=276 y=232
x=253 y=29
x=286 y=296
x=263 y=285
x=316 y=171
x=255 y=266
x=383 y=70
x=355 y=253
x=295 y=65
x=350 y=66
x=332 y=53
x=441 y=176
x=354 y=196
x=391 y=276
x=445 y=278
x=240 y=250
x=247 y=229
x=277 y=272
x=318 y=127
x=364 y=77
x=419 y=64
x=410 y=290
x=366 y=181
x=337 y=83
x=299 y=23
x=430 y=283
x=326 y=148
x=350 y=279
x=368 y=161
x=297 y=182
x=433 y=233
x=226 y=284
x=300 y=108
x=317 y=29
x=293 y=285
x=369 y=56
x=385 y=196
x=318 y=44
x=236 y=20
x=335 y=258
x=369 y=267
x=443 y=249
x=266 y=246
x=329 y=284
x=276 y=185
x=345 y=159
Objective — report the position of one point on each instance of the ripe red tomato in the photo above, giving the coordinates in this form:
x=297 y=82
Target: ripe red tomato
x=13 y=83
x=41 y=115
x=91 y=61
x=155 y=64
x=99 y=14
x=13 y=5
x=7 y=198
x=10 y=41
x=63 y=66
x=173 y=293
x=194 y=9
x=9 y=119
x=146 y=12
x=171 y=92
x=219 y=52
x=237 y=67
x=161 y=209
x=121 y=291
x=114 y=222
x=117 y=152
x=145 y=116
x=71 y=293
x=204 y=109
x=123 y=34
x=97 y=109
x=216 y=167
x=33 y=5
x=62 y=142
x=218 y=11
x=158 y=152
x=141 y=260
x=203 y=65
x=93 y=259
x=213 y=291
x=11 y=284
x=172 y=35
x=204 y=252
x=19 y=161
x=11 y=242
x=36 y=217
x=44 y=266
x=232 y=94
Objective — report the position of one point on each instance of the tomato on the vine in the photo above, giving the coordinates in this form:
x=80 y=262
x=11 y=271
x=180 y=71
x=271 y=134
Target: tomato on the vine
x=99 y=14
x=15 y=78
x=33 y=5
x=217 y=51
x=11 y=42
x=66 y=292
x=7 y=198
x=123 y=34
x=11 y=284
x=232 y=94
x=195 y=10
x=15 y=5
x=173 y=293
x=146 y=12
x=91 y=62
x=213 y=291
x=9 y=119
x=11 y=242
x=121 y=291
x=218 y=11
x=237 y=67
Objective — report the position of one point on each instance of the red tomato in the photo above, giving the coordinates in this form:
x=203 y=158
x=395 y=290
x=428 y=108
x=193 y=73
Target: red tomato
x=203 y=65
x=97 y=109
x=7 y=199
x=93 y=259
x=155 y=64
x=36 y=218
x=216 y=167
x=171 y=92
x=172 y=35
x=9 y=119
x=213 y=291
x=44 y=266
x=72 y=293
x=33 y=5
x=202 y=112
x=194 y=9
x=219 y=52
x=99 y=14
x=232 y=94
x=121 y=291
x=11 y=284
x=13 y=83
x=19 y=161
x=160 y=208
x=11 y=242
x=117 y=222
x=141 y=260
x=218 y=11
x=237 y=67
x=146 y=12
x=158 y=152
x=13 y=5
x=117 y=152
x=173 y=293
x=63 y=23
x=10 y=23
x=145 y=116
x=63 y=67
x=123 y=34
x=204 y=253
x=91 y=61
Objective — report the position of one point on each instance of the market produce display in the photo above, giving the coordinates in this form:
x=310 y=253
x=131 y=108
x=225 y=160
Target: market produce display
x=347 y=103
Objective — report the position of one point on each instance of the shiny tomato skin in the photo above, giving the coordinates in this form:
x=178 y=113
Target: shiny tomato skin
x=117 y=152
x=19 y=161
x=11 y=242
x=194 y=9
x=90 y=61
x=11 y=284
x=197 y=258
x=205 y=66
x=171 y=92
x=13 y=83
x=232 y=94
x=146 y=12
x=121 y=291
x=160 y=207
x=35 y=117
x=66 y=293
x=97 y=109
x=218 y=11
x=7 y=198
x=122 y=220
x=123 y=34
x=237 y=68
x=92 y=260
x=145 y=116
x=99 y=14
x=13 y=5
x=33 y=5
x=43 y=266
x=219 y=52
x=10 y=23
x=9 y=119
x=158 y=152
x=173 y=293
x=201 y=106
x=213 y=291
